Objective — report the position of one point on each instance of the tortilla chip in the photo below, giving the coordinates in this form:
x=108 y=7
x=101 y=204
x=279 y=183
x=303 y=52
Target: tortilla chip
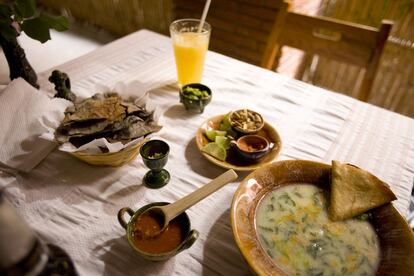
x=135 y=127
x=355 y=191
x=96 y=108
x=105 y=116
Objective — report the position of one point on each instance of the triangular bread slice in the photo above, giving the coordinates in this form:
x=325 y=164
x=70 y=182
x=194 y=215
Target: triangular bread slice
x=355 y=191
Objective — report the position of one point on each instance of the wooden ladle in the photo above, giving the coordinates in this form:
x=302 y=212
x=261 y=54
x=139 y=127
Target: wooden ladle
x=166 y=213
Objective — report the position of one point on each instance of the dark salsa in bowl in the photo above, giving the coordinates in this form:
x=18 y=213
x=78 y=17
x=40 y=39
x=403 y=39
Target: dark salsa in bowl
x=146 y=238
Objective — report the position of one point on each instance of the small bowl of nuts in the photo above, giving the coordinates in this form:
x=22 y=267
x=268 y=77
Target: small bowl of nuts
x=246 y=121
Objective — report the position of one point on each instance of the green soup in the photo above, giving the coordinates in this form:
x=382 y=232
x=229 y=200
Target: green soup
x=293 y=227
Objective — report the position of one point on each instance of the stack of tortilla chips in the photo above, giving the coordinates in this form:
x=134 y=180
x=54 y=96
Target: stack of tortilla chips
x=105 y=116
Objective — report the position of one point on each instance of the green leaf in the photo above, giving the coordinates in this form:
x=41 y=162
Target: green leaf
x=5 y=11
x=25 y=8
x=59 y=23
x=37 y=29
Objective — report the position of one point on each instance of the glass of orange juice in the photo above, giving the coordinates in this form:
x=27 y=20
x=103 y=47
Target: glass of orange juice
x=190 y=47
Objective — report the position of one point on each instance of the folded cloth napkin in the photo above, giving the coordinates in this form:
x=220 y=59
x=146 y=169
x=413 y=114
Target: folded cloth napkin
x=26 y=113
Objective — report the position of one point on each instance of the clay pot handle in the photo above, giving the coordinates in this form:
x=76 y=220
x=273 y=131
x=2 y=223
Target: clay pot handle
x=189 y=241
x=121 y=214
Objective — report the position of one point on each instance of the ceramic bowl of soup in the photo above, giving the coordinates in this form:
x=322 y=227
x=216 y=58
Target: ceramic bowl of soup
x=177 y=237
x=280 y=225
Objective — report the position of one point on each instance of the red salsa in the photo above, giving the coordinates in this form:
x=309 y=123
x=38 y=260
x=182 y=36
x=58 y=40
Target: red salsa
x=251 y=145
x=148 y=238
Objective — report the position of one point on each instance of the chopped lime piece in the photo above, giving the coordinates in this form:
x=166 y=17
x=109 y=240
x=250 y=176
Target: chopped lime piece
x=211 y=134
x=215 y=150
x=226 y=118
x=225 y=124
x=220 y=133
x=223 y=142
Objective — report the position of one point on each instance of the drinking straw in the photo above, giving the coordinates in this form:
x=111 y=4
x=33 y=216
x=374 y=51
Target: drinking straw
x=203 y=17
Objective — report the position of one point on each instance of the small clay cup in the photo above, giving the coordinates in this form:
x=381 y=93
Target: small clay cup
x=154 y=153
x=190 y=236
x=256 y=141
x=195 y=105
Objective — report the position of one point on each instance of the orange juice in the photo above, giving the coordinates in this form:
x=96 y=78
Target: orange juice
x=190 y=50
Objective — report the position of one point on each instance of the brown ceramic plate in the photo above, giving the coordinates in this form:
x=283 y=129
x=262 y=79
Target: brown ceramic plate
x=233 y=161
x=396 y=237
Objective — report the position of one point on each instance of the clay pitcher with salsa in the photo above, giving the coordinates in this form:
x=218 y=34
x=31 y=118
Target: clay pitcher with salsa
x=177 y=237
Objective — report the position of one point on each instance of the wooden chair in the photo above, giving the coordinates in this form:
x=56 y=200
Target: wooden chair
x=327 y=37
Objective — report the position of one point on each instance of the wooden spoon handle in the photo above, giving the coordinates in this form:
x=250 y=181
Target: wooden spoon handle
x=174 y=209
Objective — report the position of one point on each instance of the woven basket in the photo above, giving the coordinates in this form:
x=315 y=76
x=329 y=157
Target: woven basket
x=111 y=159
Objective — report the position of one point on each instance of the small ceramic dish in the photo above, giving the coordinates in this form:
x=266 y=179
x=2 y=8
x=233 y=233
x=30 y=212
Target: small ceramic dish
x=233 y=160
x=252 y=147
x=197 y=100
x=188 y=236
x=246 y=121
x=395 y=236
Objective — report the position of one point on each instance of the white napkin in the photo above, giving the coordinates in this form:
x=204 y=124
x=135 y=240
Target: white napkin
x=26 y=113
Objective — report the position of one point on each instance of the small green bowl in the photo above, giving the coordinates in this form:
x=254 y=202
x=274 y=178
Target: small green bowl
x=195 y=104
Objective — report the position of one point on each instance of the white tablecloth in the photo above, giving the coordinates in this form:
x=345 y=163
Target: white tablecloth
x=74 y=205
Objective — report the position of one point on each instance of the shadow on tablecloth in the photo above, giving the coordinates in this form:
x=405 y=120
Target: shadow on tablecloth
x=221 y=254
x=124 y=197
x=63 y=177
x=120 y=259
x=178 y=112
x=200 y=165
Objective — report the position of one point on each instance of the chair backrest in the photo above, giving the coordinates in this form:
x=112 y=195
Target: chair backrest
x=336 y=39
